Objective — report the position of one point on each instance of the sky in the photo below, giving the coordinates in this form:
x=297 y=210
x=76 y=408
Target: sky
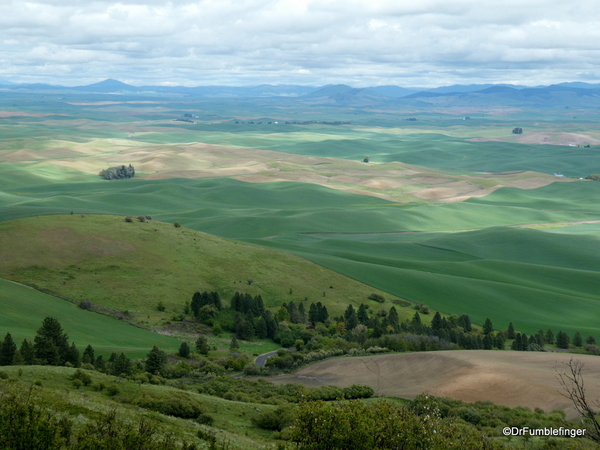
x=423 y=43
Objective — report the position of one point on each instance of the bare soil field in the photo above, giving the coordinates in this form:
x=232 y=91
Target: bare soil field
x=550 y=138
x=504 y=377
x=391 y=181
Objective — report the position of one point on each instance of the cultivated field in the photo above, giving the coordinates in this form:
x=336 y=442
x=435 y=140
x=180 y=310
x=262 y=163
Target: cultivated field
x=506 y=378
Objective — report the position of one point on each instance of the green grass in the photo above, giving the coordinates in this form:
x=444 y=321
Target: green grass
x=232 y=419
x=24 y=309
x=135 y=265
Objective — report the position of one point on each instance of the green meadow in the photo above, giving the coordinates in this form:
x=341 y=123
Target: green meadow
x=463 y=257
x=24 y=309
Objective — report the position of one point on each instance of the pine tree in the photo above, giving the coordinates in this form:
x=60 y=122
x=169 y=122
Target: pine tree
x=488 y=342
x=184 y=350
x=363 y=316
x=416 y=322
x=156 y=362
x=591 y=340
x=549 y=338
x=51 y=344
x=577 y=340
x=73 y=356
x=27 y=352
x=393 y=320
x=487 y=326
x=465 y=322
x=562 y=340
x=202 y=345
x=261 y=328
x=121 y=365
x=499 y=341
x=88 y=355
x=510 y=332
x=436 y=323
x=7 y=350
x=234 y=345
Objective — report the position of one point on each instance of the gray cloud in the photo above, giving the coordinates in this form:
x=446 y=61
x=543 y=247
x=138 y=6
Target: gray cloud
x=426 y=43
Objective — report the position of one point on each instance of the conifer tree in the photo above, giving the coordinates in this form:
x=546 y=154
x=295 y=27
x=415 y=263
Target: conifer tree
x=184 y=350
x=51 y=344
x=156 y=362
x=88 y=355
x=7 y=350
x=487 y=326
x=577 y=340
x=549 y=338
x=562 y=340
x=27 y=352
x=510 y=332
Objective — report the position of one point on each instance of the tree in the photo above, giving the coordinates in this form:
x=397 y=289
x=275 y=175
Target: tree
x=510 y=331
x=591 y=340
x=363 y=316
x=88 y=355
x=120 y=364
x=51 y=344
x=234 y=345
x=549 y=338
x=73 y=356
x=572 y=384
x=562 y=340
x=577 y=340
x=156 y=362
x=27 y=352
x=7 y=350
x=465 y=322
x=202 y=345
x=184 y=350
x=261 y=328
x=487 y=326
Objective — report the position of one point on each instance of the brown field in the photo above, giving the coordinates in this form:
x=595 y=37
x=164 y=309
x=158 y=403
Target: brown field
x=504 y=377
x=392 y=181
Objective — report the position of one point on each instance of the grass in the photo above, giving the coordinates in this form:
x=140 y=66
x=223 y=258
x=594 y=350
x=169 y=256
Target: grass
x=24 y=309
x=232 y=419
x=135 y=265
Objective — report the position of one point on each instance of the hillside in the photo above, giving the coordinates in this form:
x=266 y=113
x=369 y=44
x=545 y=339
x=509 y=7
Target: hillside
x=133 y=266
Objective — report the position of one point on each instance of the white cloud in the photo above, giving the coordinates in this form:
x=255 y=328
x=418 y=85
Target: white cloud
x=429 y=42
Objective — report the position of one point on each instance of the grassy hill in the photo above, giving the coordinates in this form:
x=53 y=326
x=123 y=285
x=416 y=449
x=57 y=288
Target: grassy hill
x=24 y=309
x=133 y=266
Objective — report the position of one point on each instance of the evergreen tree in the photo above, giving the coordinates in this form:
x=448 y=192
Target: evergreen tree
x=516 y=345
x=258 y=305
x=7 y=350
x=349 y=311
x=271 y=324
x=487 y=326
x=362 y=314
x=323 y=314
x=416 y=322
x=577 y=340
x=488 y=342
x=591 y=340
x=465 y=322
x=27 y=352
x=100 y=364
x=510 y=332
x=436 y=323
x=261 y=328
x=562 y=340
x=549 y=338
x=157 y=361
x=184 y=350
x=88 y=355
x=121 y=365
x=73 y=356
x=234 y=345
x=202 y=345
x=51 y=344
x=301 y=311
x=313 y=314
x=499 y=341
x=351 y=320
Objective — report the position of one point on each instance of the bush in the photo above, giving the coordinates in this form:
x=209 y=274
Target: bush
x=141 y=218
x=376 y=297
x=178 y=404
x=176 y=224
x=128 y=219
x=205 y=419
x=112 y=390
x=83 y=377
x=3 y=375
x=275 y=420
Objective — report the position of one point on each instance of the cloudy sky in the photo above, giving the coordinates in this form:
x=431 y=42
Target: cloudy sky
x=422 y=43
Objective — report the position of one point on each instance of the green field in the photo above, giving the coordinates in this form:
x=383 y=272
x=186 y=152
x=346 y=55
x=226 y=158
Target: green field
x=458 y=257
x=24 y=309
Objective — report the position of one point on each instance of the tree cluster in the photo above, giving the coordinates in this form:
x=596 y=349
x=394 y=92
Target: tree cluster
x=118 y=172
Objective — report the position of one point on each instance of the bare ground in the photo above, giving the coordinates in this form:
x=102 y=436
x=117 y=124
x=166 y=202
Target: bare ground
x=504 y=377
x=392 y=181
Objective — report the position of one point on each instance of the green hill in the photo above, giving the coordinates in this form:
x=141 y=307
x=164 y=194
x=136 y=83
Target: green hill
x=133 y=266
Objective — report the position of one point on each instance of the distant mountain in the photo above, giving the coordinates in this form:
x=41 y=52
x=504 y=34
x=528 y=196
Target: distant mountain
x=395 y=91
x=6 y=83
x=109 y=85
x=329 y=90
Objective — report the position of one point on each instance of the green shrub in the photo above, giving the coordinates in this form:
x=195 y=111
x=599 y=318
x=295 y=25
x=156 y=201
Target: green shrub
x=178 y=404
x=3 y=375
x=82 y=377
x=205 y=419
x=113 y=390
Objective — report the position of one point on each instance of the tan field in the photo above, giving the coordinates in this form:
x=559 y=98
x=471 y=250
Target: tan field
x=392 y=181
x=504 y=377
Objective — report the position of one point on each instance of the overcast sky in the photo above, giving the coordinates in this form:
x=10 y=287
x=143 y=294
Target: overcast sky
x=423 y=43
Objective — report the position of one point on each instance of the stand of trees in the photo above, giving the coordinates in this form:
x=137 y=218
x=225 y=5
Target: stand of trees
x=118 y=172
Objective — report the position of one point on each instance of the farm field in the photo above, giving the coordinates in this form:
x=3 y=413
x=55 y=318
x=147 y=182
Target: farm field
x=24 y=309
x=506 y=378
x=432 y=218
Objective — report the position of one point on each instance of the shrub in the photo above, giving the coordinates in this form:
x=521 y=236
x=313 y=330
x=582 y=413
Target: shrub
x=77 y=383
x=176 y=224
x=85 y=304
x=128 y=219
x=83 y=377
x=178 y=404
x=3 y=375
x=141 y=218
x=205 y=419
x=112 y=390
x=376 y=297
